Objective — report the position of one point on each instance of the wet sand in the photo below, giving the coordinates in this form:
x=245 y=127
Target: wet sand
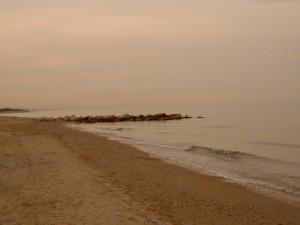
x=50 y=174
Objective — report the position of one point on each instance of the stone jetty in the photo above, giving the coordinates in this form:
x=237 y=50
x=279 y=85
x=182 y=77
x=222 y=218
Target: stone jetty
x=12 y=110
x=122 y=118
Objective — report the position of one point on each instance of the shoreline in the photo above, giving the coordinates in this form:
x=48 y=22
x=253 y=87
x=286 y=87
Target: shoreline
x=260 y=187
x=153 y=191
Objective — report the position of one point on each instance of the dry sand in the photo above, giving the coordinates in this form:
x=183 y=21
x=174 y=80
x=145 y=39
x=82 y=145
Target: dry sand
x=50 y=174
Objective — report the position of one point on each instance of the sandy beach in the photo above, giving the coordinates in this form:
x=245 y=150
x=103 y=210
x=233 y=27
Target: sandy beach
x=54 y=175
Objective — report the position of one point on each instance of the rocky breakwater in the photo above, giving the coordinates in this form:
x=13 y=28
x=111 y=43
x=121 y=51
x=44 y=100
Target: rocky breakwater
x=122 y=118
x=12 y=110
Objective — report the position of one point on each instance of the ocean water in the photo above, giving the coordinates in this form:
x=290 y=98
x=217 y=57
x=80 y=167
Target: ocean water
x=254 y=146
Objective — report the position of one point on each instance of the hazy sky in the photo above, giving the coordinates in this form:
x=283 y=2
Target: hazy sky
x=59 y=53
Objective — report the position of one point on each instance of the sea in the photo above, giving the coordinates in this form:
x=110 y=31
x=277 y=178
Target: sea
x=257 y=146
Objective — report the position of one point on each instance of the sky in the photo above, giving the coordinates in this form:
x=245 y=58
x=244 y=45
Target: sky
x=98 y=53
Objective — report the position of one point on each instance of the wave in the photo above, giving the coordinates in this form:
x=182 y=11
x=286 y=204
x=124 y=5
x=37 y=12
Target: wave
x=237 y=155
x=117 y=129
x=155 y=145
x=193 y=149
x=219 y=152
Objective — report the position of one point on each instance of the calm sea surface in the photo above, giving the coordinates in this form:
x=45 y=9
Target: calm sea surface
x=257 y=146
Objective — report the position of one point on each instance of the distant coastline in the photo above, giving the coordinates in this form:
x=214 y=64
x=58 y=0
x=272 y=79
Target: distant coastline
x=12 y=110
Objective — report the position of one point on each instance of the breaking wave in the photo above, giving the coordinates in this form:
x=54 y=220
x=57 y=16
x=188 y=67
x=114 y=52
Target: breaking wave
x=218 y=152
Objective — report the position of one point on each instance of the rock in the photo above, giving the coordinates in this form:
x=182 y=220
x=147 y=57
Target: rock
x=13 y=110
x=122 y=118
